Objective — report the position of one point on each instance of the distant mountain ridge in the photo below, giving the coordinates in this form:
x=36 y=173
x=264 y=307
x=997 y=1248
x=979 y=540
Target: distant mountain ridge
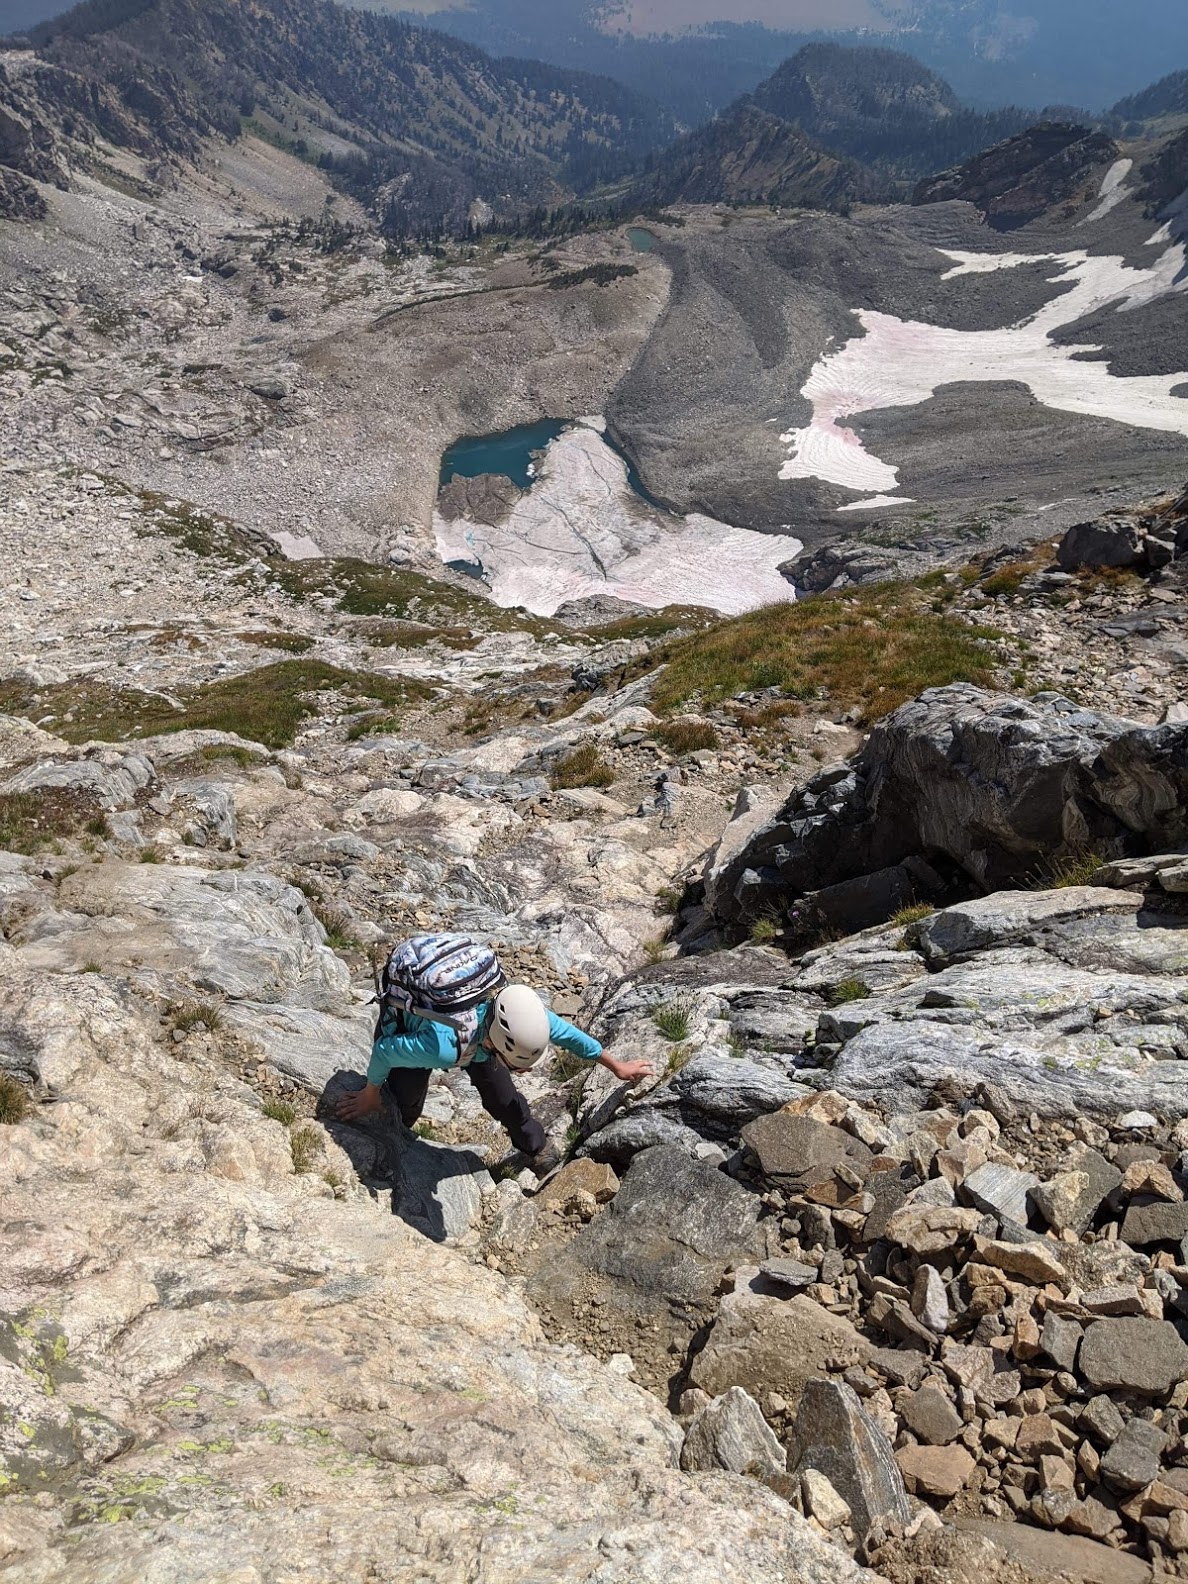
x=882 y=107
x=1169 y=96
x=831 y=125
x=750 y=156
x=412 y=119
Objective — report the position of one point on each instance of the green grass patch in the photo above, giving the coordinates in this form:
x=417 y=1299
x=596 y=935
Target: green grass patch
x=583 y=766
x=282 y=1111
x=1006 y=578
x=656 y=624
x=848 y=990
x=379 y=723
x=871 y=648
x=672 y=1020
x=338 y=924
x=204 y=534
x=216 y=753
x=363 y=588
x=15 y=1102
x=33 y=821
x=414 y=635
x=288 y=643
x=266 y=705
x=911 y=915
x=686 y=736
x=764 y=930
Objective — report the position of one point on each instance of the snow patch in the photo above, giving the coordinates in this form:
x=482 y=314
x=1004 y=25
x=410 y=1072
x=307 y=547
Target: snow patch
x=1113 y=190
x=902 y=363
x=878 y=500
x=582 y=530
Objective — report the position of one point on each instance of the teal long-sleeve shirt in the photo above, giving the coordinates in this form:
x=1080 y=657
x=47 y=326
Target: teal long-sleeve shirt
x=424 y=1043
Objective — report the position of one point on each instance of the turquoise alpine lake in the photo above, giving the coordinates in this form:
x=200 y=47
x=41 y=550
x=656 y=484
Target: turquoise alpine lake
x=510 y=452
x=641 y=239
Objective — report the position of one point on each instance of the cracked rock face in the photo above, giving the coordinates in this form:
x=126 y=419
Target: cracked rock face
x=993 y=786
x=238 y=1364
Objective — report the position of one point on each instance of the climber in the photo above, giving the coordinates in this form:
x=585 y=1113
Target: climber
x=511 y=1032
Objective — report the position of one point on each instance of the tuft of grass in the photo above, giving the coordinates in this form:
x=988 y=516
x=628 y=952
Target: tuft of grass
x=338 y=924
x=1006 y=579
x=668 y=900
x=672 y=1020
x=91 y=967
x=1076 y=870
x=870 y=648
x=305 y=1146
x=282 y=1111
x=15 y=1101
x=654 y=949
x=584 y=766
x=151 y=855
x=848 y=990
x=425 y=1130
x=686 y=736
x=677 y=1059
x=765 y=929
x=911 y=915
x=737 y=1046
x=189 y=1015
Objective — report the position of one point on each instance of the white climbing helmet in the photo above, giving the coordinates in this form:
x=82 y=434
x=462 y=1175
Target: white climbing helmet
x=519 y=1026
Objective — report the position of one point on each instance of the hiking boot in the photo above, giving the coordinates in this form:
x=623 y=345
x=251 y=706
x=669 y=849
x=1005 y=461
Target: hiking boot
x=545 y=1161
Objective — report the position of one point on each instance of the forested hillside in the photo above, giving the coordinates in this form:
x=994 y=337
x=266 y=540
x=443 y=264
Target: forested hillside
x=749 y=156
x=1167 y=97
x=423 y=121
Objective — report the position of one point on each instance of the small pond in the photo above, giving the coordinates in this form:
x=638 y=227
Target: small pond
x=510 y=452
x=642 y=240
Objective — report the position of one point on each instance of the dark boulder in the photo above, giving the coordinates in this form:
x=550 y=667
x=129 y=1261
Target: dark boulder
x=986 y=788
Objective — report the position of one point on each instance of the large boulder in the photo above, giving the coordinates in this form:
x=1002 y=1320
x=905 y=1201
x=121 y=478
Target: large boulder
x=774 y=1345
x=237 y=932
x=656 y=1256
x=1057 y=1037
x=989 y=789
x=834 y=1435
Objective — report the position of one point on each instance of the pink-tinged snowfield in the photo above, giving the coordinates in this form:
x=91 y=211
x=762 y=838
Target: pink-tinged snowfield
x=582 y=530
x=902 y=362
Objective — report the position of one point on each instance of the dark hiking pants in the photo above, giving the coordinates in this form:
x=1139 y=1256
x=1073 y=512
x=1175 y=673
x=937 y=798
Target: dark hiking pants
x=408 y=1087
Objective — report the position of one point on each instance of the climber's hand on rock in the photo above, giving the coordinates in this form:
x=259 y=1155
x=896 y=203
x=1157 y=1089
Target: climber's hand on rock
x=628 y=1071
x=359 y=1104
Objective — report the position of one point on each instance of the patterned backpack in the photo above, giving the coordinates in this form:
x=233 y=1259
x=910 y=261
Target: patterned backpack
x=444 y=978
